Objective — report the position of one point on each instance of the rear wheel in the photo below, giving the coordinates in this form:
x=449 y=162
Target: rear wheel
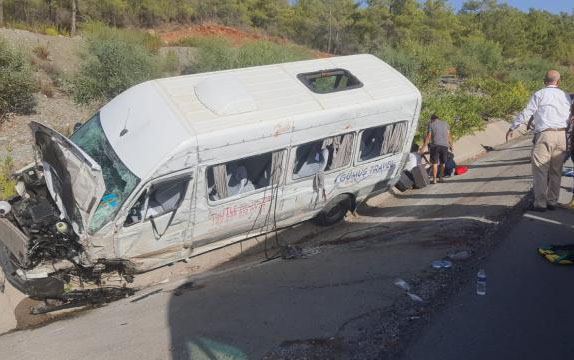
x=334 y=211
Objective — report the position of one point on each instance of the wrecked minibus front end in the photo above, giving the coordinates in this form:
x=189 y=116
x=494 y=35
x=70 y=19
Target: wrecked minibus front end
x=45 y=229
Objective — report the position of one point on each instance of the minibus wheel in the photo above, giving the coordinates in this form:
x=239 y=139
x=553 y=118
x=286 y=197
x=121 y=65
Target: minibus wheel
x=334 y=211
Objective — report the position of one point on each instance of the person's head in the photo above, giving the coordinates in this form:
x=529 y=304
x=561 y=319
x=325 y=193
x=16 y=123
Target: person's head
x=552 y=78
x=433 y=117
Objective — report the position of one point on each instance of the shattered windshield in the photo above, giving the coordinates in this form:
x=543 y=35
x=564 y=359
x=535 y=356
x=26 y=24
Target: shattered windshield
x=119 y=180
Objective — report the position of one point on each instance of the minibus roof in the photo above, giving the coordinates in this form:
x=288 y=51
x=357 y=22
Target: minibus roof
x=162 y=114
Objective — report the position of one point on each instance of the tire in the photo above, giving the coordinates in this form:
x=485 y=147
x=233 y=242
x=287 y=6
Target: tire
x=334 y=211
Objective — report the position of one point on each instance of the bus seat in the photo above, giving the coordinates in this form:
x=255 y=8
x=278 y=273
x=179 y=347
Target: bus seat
x=316 y=161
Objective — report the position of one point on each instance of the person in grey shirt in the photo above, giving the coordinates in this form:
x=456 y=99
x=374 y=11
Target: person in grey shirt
x=439 y=140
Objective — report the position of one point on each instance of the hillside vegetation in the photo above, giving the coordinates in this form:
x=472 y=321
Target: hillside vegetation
x=495 y=54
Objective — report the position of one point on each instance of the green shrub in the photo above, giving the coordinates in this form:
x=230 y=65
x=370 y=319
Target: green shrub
x=469 y=66
x=51 y=31
x=194 y=41
x=461 y=110
x=216 y=53
x=17 y=85
x=171 y=64
x=500 y=99
x=267 y=52
x=99 y=31
x=115 y=60
x=400 y=60
x=41 y=51
x=484 y=52
x=420 y=64
x=531 y=68
x=6 y=181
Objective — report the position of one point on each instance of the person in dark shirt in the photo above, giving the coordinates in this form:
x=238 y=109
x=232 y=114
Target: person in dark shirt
x=438 y=140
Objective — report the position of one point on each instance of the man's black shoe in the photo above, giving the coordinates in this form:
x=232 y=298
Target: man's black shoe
x=551 y=207
x=537 y=209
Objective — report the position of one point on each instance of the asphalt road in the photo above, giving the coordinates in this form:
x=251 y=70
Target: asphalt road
x=339 y=298
x=529 y=307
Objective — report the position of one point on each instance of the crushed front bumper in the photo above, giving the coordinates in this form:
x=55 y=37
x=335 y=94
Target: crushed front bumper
x=47 y=287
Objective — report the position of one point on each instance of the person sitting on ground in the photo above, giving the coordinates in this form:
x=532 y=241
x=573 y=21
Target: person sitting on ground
x=438 y=140
x=414 y=159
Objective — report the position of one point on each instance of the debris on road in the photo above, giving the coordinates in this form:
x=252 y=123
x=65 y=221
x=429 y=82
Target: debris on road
x=414 y=297
x=481 y=282
x=403 y=284
x=460 y=255
x=441 y=264
x=146 y=295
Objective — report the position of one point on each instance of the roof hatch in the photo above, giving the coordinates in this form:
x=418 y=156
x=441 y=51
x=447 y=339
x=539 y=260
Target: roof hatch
x=224 y=95
x=328 y=81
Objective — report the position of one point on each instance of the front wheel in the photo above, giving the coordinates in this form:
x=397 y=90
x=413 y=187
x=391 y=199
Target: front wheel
x=334 y=211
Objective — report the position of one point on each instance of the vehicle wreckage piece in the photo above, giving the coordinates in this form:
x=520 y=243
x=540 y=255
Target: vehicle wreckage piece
x=39 y=252
x=76 y=298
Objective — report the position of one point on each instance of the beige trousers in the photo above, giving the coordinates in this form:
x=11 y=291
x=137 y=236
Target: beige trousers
x=548 y=156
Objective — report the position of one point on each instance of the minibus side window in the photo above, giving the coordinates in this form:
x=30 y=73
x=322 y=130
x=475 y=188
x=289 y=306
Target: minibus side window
x=382 y=140
x=322 y=155
x=160 y=199
x=244 y=175
x=165 y=197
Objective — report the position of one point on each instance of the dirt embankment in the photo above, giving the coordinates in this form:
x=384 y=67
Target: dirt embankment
x=171 y=35
x=52 y=59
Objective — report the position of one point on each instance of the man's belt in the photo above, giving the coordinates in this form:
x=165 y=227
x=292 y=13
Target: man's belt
x=553 y=129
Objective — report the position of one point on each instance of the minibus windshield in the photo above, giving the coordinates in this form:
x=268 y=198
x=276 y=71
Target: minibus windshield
x=119 y=180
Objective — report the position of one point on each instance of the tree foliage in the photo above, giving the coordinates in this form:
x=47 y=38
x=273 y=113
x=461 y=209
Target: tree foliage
x=487 y=42
x=114 y=61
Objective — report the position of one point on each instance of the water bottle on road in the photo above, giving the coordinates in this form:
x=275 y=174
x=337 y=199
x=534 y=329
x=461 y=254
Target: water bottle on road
x=481 y=282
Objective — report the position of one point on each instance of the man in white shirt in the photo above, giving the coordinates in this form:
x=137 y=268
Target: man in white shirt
x=551 y=110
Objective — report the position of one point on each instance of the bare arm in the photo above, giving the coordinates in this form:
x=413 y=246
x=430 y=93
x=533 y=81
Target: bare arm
x=427 y=141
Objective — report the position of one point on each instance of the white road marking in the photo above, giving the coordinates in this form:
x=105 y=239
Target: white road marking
x=530 y=216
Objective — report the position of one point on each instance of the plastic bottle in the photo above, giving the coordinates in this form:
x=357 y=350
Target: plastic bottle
x=481 y=282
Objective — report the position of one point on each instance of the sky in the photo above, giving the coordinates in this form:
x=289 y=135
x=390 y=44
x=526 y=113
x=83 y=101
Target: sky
x=554 y=6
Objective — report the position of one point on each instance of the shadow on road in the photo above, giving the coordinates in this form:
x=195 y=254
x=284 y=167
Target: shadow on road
x=311 y=302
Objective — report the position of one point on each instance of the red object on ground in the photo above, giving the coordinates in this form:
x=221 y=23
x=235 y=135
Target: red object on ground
x=461 y=170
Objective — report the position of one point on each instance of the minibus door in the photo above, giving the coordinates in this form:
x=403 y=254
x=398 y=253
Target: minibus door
x=158 y=221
